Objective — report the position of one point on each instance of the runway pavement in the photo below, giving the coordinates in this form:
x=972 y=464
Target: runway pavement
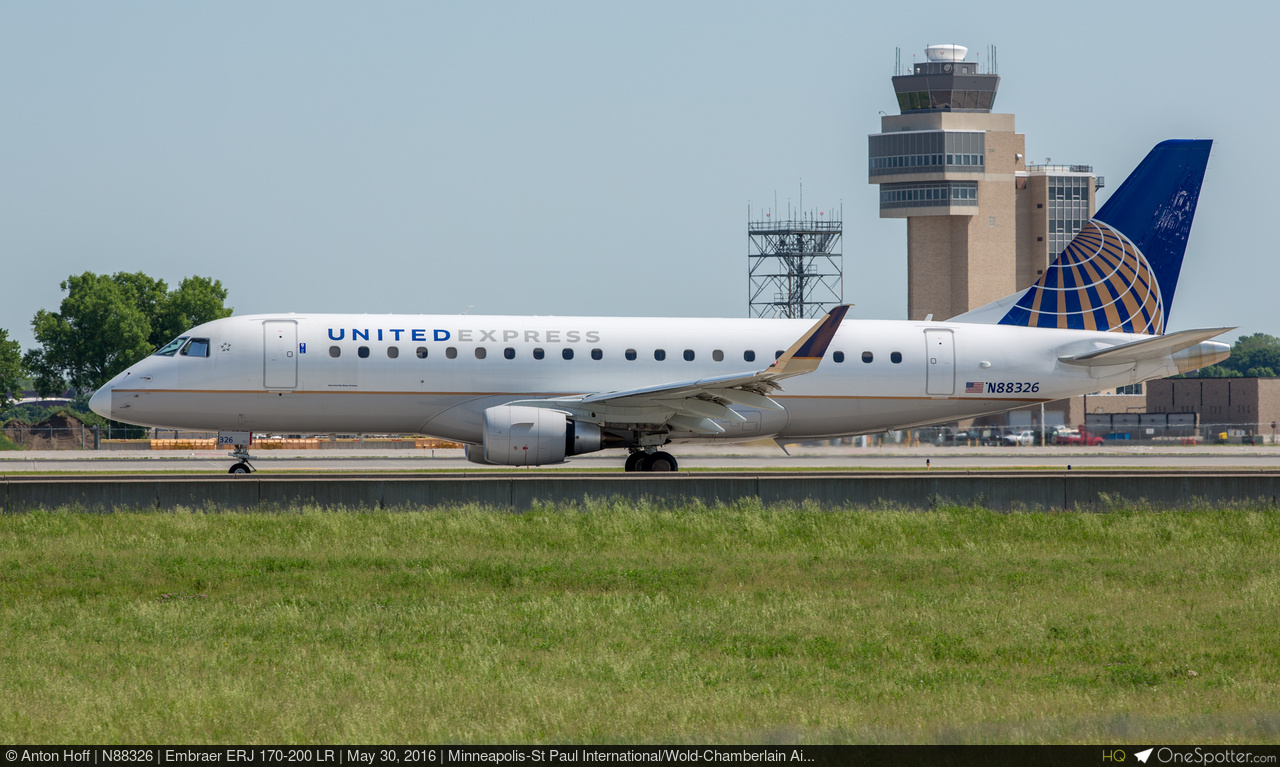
x=749 y=457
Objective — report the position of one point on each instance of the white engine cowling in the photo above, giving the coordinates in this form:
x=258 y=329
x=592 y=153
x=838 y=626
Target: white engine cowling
x=517 y=435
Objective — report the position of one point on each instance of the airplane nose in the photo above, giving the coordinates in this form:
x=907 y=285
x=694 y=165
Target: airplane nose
x=100 y=402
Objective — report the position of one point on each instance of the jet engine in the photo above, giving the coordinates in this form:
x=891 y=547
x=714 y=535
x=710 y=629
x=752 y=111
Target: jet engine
x=517 y=435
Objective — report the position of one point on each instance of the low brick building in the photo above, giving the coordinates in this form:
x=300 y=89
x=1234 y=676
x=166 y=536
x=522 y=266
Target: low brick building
x=1238 y=406
x=1249 y=405
x=1068 y=412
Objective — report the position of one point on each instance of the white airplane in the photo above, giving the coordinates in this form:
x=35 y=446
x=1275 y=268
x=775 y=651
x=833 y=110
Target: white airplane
x=527 y=391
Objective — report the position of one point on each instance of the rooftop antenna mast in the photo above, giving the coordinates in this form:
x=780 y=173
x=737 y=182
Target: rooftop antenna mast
x=795 y=267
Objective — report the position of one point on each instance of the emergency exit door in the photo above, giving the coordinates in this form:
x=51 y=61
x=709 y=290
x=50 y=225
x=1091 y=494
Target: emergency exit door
x=940 y=354
x=279 y=354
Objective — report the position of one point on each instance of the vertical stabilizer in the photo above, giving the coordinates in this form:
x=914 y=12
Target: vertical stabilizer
x=1121 y=270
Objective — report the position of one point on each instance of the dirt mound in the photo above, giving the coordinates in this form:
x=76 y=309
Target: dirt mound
x=57 y=432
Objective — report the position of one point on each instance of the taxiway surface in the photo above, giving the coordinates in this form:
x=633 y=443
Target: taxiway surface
x=724 y=458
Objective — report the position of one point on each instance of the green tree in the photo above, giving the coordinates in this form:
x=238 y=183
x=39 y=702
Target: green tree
x=107 y=323
x=1217 y=371
x=1255 y=352
x=1253 y=356
x=10 y=368
x=196 y=301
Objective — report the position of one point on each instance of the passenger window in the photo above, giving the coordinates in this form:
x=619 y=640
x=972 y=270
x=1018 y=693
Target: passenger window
x=717 y=355
x=172 y=347
x=837 y=356
x=393 y=352
x=749 y=356
x=422 y=352
x=596 y=354
x=539 y=353
x=630 y=355
x=688 y=355
x=362 y=352
x=659 y=354
x=481 y=352
x=895 y=357
x=509 y=353
x=567 y=353
x=196 y=347
x=451 y=352
x=867 y=356
x=335 y=351
x=777 y=354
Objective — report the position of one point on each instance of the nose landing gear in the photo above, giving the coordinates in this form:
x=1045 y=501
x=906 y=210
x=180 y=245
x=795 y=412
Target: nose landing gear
x=242 y=466
x=240 y=441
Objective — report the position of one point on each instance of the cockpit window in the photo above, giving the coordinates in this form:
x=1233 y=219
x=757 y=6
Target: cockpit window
x=196 y=347
x=172 y=347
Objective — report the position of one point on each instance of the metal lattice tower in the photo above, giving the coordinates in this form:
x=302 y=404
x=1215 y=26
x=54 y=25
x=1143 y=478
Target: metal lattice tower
x=795 y=266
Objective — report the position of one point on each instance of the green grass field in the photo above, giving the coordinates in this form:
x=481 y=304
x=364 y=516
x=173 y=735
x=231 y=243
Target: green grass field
x=610 y=623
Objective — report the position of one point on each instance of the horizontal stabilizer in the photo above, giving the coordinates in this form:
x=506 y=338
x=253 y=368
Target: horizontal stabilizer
x=1153 y=348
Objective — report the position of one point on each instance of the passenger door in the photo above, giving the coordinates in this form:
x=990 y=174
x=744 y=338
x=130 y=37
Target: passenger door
x=940 y=353
x=280 y=354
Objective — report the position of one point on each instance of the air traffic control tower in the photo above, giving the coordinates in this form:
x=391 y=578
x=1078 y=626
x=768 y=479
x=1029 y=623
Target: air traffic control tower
x=978 y=228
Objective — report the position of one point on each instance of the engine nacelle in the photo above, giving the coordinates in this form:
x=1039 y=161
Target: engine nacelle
x=518 y=435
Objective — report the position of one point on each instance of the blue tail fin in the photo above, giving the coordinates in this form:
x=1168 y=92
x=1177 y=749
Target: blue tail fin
x=1120 y=271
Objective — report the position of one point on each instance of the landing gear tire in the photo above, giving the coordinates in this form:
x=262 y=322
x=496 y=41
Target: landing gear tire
x=660 y=461
x=634 y=462
x=242 y=465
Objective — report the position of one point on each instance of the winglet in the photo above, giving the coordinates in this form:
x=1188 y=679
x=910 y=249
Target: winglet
x=805 y=354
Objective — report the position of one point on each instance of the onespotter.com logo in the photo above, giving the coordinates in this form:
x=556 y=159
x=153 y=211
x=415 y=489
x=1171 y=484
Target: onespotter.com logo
x=1196 y=755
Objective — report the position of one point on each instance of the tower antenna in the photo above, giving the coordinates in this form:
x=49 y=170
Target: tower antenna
x=794 y=264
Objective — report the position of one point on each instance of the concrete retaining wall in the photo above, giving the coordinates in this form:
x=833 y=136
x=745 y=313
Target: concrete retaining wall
x=1006 y=491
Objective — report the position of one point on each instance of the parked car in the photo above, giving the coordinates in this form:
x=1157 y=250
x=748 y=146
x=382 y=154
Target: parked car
x=957 y=438
x=1026 y=437
x=992 y=438
x=1077 y=437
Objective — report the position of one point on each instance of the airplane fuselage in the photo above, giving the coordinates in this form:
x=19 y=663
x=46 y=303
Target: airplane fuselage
x=436 y=374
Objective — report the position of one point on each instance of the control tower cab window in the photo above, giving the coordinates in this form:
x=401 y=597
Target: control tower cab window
x=196 y=347
x=171 y=348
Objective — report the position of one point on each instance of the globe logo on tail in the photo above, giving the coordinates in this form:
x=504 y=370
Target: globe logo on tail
x=1101 y=281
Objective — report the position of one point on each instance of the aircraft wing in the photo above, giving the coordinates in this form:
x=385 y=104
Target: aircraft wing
x=692 y=405
x=1152 y=348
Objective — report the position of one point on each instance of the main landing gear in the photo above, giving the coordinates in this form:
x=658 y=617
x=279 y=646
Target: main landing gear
x=242 y=466
x=640 y=460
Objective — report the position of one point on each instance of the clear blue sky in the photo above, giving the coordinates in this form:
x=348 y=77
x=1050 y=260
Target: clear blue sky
x=572 y=158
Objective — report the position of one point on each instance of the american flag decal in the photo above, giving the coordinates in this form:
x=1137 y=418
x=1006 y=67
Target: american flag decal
x=974 y=387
